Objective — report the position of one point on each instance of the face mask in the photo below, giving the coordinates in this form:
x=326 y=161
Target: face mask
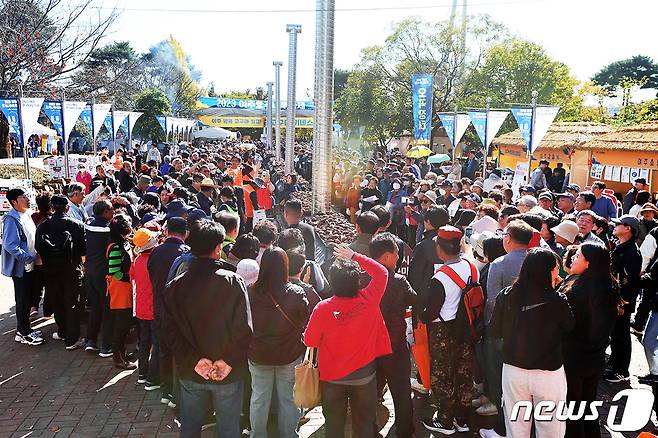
x=396 y=186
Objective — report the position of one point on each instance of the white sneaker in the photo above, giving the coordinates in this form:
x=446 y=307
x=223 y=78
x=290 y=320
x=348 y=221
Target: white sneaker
x=481 y=400
x=57 y=337
x=487 y=409
x=418 y=387
x=31 y=339
x=489 y=433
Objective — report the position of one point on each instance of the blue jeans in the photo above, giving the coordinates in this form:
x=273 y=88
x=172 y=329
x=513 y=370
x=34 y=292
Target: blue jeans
x=226 y=399
x=263 y=379
x=650 y=342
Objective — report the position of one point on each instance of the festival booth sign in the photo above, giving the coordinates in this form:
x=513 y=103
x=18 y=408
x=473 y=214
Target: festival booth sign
x=250 y=122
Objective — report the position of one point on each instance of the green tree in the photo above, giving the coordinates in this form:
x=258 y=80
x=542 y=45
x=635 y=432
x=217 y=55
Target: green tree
x=634 y=113
x=340 y=81
x=153 y=103
x=575 y=109
x=639 y=68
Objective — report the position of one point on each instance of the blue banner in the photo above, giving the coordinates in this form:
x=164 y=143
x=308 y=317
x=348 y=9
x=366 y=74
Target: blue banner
x=523 y=118
x=479 y=121
x=9 y=108
x=124 y=126
x=448 y=122
x=85 y=115
x=54 y=112
x=421 y=94
x=162 y=120
x=108 y=125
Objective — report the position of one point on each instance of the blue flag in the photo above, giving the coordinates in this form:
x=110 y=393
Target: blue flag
x=86 y=117
x=162 y=120
x=421 y=94
x=108 y=124
x=448 y=122
x=479 y=121
x=54 y=112
x=523 y=118
x=9 y=108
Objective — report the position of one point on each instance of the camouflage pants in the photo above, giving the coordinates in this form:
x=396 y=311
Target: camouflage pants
x=451 y=375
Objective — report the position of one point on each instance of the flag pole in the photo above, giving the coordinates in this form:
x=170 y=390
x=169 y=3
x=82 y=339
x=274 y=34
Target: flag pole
x=532 y=132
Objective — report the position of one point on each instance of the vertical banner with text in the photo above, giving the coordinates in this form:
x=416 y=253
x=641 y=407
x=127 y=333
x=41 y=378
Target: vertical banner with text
x=9 y=108
x=30 y=109
x=100 y=112
x=544 y=116
x=54 y=112
x=421 y=86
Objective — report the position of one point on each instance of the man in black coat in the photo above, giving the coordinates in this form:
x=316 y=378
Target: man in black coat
x=424 y=258
x=159 y=263
x=60 y=241
x=292 y=213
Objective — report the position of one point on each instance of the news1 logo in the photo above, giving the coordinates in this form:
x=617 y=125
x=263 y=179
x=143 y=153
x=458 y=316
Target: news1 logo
x=635 y=413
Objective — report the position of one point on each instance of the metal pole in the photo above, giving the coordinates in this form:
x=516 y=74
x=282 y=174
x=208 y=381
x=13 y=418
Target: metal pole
x=323 y=112
x=486 y=139
x=455 y=143
x=532 y=132
x=65 y=139
x=277 y=109
x=114 y=140
x=268 y=122
x=293 y=30
x=22 y=139
x=93 y=136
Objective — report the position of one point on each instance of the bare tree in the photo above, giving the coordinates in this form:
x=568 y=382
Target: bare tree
x=42 y=42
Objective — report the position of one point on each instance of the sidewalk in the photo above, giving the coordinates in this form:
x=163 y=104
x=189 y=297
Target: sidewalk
x=46 y=391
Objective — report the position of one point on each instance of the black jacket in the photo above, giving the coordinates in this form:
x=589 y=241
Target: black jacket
x=126 y=180
x=97 y=238
x=595 y=310
x=276 y=340
x=398 y=296
x=531 y=324
x=423 y=261
x=206 y=316
x=159 y=263
x=626 y=264
x=56 y=225
x=309 y=238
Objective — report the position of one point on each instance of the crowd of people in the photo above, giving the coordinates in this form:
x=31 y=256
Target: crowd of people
x=195 y=267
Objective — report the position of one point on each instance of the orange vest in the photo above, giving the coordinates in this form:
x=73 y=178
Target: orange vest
x=248 y=206
x=236 y=174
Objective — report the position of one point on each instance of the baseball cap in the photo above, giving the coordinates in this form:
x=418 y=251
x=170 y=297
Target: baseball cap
x=473 y=197
x=629 y=220
x=59 y=200
x=567 y=230
x=545 y=195
x=448 y=232
x=528 y=188
x=446 y=183
x=574 y=187
x=565 y=195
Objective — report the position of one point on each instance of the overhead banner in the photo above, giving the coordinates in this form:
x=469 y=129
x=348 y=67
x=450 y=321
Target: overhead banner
x=490 y=127
x=108 y=124
x=30 y=109
x=132 y=119
x=544 y=117
x=421 y=95
x=71 y=110
x=118 y=118
x=9 y=108
x=100 y=112
x=251 y=122
x=87 y=117
x=454 y=128
x=251 y=104
x=162 y=120
x=54 y=112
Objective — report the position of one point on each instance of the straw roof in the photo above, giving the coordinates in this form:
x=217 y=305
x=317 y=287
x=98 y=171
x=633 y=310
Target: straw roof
x=560 y=135
x=642 y=137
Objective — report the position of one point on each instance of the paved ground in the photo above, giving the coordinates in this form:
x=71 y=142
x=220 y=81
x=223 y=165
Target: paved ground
x=47 y=391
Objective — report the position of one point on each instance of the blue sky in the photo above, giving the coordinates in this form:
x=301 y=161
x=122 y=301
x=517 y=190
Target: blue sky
x=236 y=49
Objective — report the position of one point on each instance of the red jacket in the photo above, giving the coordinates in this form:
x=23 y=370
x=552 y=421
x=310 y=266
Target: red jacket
x=264 y=195
x=350 y=332
x=143 y=291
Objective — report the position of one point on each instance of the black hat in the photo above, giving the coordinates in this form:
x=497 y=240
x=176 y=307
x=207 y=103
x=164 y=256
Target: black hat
x=463 y=218
x=59 y=200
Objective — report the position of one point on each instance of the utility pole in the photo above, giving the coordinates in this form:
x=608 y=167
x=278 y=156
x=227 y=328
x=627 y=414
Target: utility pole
x=532 y=132
x=293 y=30
x=268 y=112
x=277 y=109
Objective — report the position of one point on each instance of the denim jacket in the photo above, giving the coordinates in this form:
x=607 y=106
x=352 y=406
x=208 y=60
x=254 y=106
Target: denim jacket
x=15 y=253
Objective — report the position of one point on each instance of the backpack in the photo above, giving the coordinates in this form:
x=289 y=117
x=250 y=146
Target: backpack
x=470 y=311
x=56 y=249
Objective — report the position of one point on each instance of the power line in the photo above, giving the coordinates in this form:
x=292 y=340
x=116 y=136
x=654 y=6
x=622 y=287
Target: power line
x=287 y=11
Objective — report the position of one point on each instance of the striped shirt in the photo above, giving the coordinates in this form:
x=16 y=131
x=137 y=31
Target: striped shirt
x=118 y=262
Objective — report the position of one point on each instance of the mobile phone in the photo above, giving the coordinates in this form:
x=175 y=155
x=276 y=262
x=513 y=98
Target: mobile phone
x=468 y=232
x=404 y=199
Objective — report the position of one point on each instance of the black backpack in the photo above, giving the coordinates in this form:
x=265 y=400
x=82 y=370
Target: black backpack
x=56 y=249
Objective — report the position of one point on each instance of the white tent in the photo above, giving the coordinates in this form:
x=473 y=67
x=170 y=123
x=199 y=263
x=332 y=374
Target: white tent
x=40 y=129
x=214 y=133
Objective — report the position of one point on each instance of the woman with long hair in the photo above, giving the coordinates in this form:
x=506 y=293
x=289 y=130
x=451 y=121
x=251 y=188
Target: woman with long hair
x=592 y=294
x=279 y=312
x=531 y=318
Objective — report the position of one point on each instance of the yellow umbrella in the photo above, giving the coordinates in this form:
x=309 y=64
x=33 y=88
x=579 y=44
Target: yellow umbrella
x=419 y=152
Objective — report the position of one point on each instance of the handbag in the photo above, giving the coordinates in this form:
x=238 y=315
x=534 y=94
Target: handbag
x=306 y=391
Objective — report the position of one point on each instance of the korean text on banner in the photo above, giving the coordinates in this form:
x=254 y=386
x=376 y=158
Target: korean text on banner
x=54 y=112
x=455 y=128
x=9 y=108
x=30 y=109
x=119 y=118
x=87 y=118
x=108 y=124
x=421 y=86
